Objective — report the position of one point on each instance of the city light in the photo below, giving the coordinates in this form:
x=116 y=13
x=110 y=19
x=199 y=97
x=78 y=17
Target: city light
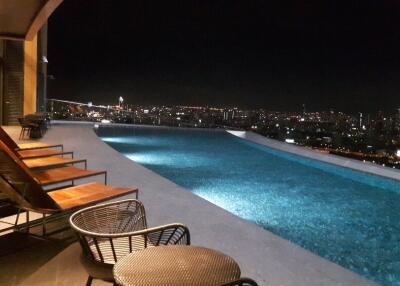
x=338 y=133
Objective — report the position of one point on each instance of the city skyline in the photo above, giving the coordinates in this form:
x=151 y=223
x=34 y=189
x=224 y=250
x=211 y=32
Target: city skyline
x=366 y=137
x=340 y=56
x=303 y=108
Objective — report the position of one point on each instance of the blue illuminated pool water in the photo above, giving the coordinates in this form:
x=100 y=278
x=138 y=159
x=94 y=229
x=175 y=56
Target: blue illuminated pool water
x=348 y=217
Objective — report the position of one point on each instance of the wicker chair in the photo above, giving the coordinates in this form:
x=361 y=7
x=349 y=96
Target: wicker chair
x=242 y=282
x=110 y=231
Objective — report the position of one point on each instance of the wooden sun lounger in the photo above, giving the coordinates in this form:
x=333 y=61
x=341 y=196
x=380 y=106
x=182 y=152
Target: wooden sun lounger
x=25 y=146
x=24 y=191
x=51 y=162
x=53 y=176
x=38 y=153
x=59 y=203
x=43 y=162
x=38 y=145
x=83 y=195
x=32 y=152
x=66 y=174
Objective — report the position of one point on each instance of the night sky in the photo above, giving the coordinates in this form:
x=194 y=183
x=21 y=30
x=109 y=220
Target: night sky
x=341 y=55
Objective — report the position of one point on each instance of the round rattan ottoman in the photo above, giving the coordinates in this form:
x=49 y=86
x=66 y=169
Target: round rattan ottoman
x=177 y=265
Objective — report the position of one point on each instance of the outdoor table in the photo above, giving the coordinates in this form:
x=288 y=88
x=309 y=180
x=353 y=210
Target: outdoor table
x=177 y=265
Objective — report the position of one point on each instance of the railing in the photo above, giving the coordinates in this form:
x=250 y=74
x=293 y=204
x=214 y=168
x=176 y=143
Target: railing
x=166 y=116
x=78 y=111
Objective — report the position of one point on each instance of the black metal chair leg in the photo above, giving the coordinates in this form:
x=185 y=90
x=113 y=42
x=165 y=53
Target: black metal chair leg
x=89 y=281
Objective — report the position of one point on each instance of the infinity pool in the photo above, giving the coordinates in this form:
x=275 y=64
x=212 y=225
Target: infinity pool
x=348 y=217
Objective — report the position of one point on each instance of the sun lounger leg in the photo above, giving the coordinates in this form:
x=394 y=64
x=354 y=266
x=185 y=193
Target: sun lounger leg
x=27 y=221
x=17 y=217
x=89 y=281
x=44 y=225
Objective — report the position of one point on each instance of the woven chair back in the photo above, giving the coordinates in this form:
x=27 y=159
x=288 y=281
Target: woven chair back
x=15 y=173
x=101 y=229
x=111 y=218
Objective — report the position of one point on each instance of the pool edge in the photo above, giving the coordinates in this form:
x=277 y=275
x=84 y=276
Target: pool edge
x=309 y=153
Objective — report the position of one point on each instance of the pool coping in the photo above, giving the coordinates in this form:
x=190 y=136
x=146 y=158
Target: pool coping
x=365 y=167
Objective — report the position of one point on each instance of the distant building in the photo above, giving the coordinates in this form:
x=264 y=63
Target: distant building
x=226 y=115
x=229 y=114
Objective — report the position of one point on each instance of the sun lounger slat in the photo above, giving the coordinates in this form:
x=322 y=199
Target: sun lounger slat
x=50 y=162
x=59 y=175
x=26 y=154
x=87 y=194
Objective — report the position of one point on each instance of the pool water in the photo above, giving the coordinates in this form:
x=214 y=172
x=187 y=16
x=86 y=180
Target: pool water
x=348 y=217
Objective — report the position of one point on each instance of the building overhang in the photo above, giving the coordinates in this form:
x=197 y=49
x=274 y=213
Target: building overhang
x=22 y=19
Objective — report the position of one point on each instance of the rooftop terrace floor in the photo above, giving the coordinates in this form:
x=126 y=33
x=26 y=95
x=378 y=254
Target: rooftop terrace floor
x=265 y=257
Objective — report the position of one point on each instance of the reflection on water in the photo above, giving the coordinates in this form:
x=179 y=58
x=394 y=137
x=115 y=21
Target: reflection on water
x=348 y=217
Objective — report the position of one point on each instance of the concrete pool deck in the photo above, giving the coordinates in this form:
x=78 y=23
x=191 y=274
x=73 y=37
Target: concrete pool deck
x=263 y=256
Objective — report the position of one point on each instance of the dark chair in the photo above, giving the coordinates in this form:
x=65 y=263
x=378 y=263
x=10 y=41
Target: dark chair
x=26 y=127
x=110 y=231
x=40 y=120
x=242 y=282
